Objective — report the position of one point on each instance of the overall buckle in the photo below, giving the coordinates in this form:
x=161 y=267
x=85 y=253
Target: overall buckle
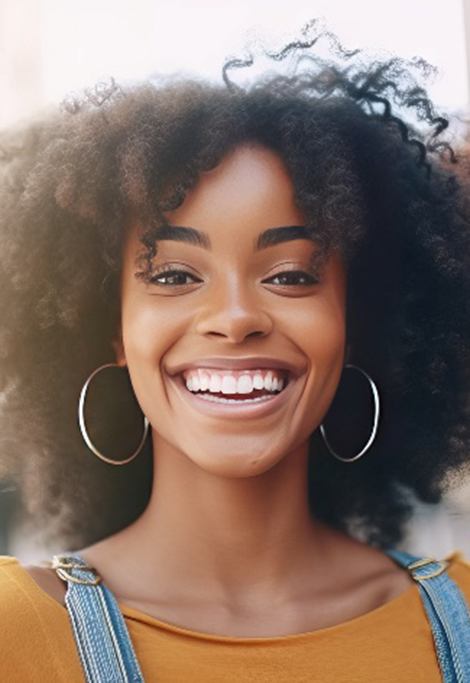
x=63 y=566
x=443 y=564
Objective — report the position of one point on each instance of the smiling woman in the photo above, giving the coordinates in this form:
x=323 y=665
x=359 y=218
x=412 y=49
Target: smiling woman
x=258 y=301
x=246 y=288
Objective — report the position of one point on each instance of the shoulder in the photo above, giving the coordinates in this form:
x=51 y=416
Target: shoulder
x=35 y=634
x=14 y=587
x=22 y=599
x=29 y=581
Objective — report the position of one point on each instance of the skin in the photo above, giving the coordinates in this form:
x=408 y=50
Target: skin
x=227 y=544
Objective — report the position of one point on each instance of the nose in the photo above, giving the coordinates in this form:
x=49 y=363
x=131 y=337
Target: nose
x=233 y=311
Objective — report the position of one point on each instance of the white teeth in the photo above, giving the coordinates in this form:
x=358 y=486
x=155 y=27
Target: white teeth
x=268 y=381
x=205 y=381
x=215 y=384
x=258 y=381
x=235 y=401
x=244 y=385
x=229 y=385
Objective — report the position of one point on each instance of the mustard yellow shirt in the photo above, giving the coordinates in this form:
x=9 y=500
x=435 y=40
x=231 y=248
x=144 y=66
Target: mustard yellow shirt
x=392 y=643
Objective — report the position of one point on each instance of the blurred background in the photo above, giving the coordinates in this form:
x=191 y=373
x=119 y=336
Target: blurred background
x=52 y=48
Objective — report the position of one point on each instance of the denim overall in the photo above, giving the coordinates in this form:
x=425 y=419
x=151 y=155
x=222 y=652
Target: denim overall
x=107 y=655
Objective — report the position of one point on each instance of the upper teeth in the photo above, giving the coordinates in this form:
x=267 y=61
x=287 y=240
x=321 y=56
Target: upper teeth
x=233 y=382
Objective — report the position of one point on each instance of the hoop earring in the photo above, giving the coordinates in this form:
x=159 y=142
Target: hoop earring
x=83 y=429
x=375 y=394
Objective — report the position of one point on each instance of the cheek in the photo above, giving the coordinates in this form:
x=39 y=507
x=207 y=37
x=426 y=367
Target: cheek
x=321 y=335
x=148 y=332
x=148 y=327
x=318 y=323
x=140 y=332
x=139 y=338
x=325 y=349
x=325 y=331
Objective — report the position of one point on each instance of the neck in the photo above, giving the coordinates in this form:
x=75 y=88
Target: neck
x=226 y=537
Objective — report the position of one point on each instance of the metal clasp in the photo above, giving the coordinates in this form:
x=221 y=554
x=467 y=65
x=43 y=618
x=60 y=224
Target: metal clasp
x=443 y=564
x=61 y=564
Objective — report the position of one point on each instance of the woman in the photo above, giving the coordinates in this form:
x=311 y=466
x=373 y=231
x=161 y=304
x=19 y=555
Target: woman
x=282 y=273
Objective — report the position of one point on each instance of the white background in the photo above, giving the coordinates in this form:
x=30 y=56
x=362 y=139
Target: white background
x=51 y=47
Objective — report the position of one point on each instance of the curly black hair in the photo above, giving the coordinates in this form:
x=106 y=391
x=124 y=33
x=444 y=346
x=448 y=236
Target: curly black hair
x=372 y=183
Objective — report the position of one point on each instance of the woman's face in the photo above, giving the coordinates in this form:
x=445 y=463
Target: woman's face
x=238 y=299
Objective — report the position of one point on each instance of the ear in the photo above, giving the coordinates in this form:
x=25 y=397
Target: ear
x=118 y=346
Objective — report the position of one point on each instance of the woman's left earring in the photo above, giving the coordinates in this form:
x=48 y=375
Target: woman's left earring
x=375 y=395
x=82 y=424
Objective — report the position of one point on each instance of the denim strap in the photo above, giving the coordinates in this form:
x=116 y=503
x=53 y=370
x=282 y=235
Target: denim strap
x=101 y=635
x=447 y=612
x=107 y=654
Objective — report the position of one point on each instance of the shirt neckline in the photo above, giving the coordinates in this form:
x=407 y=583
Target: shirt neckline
x=409 y=594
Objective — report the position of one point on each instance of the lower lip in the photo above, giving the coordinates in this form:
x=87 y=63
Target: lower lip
x=233 y=410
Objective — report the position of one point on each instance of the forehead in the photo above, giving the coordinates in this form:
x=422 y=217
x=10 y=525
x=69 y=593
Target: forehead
x=248 y=192
x=248 y=179
x=246 y=202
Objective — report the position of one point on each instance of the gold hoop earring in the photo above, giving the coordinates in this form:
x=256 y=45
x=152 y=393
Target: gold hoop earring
x=82 y=424
x=375 y=395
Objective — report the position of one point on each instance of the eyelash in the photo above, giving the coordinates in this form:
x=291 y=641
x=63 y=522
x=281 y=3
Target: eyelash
x=166 y=272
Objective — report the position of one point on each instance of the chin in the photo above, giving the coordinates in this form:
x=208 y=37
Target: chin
x=235 y=465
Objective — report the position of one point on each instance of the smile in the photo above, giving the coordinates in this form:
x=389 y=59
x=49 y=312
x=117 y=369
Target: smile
x=256 y=382
x=235 y=395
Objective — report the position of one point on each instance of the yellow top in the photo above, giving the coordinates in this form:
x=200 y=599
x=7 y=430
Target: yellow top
x=390 y=643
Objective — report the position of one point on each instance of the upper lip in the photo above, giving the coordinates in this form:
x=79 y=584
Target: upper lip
x=248 y=363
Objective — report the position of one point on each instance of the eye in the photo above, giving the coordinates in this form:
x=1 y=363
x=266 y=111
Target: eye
x=175 y=277
x=295 y=278
x=178 y=277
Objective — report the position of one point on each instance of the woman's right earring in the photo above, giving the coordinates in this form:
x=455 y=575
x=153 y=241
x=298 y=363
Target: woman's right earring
x=84 y=431
x=375 y=395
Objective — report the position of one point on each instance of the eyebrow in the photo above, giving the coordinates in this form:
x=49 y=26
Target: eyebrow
x=267 y=238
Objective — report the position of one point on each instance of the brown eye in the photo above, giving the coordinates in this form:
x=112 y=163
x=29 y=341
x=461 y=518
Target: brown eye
x=175 y=277
x=295 y=278
x=178 y=277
